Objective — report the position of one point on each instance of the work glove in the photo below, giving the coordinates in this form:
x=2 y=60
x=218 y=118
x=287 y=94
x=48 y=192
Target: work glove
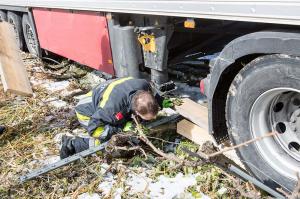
x=167 y=103
x=108 y=132
x=128 y=126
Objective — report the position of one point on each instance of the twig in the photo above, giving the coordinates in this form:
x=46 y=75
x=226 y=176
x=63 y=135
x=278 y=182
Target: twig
x=205 y=156
x=125 y=148
x=49 y=59
x=156 y=150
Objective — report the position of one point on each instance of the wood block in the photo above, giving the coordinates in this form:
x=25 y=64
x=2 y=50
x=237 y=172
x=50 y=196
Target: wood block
x=194 y=112
x=200 y=136
x=12 y=70
x=193 y=132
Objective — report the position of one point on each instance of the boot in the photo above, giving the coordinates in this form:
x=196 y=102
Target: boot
x=73 y=145
x=67 y=149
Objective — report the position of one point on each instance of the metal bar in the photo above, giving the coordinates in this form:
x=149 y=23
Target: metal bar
x=63 y=162
x=162 y=121
x=268 y=11
x=238 y=172
x=255 y=181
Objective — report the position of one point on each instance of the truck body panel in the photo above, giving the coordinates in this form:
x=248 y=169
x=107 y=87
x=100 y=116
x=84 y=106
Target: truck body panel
x=268 y=11
x=81 y=36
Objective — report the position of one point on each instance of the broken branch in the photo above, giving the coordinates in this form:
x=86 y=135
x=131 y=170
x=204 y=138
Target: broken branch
x=205 y=156
x=149 y=143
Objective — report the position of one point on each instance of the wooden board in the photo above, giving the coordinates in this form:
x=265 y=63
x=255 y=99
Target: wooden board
x=193 y=132
x=200 y=136
x=194 y=112
x=12 y=70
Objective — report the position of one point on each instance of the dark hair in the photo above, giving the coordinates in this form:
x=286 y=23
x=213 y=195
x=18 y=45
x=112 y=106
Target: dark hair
x=144 y=103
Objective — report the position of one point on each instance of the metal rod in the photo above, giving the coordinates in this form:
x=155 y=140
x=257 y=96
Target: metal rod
x=63 y=162
x=255 y=181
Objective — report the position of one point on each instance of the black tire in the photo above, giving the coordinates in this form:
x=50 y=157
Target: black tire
x=16 y=21
x=3 y=16
x=260 y=76
x=30 y=37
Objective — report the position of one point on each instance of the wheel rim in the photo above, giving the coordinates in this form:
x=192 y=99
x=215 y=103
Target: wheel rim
x=278 y=110
x=30 y=38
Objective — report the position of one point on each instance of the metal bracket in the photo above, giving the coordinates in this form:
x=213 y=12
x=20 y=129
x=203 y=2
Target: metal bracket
x=165 y=88
x=148 y=42
x=63 y=162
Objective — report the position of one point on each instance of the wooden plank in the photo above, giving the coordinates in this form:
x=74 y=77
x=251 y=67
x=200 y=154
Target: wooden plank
x=12 y=70
x=194 y=112
x=193 y=132
x=200 y=136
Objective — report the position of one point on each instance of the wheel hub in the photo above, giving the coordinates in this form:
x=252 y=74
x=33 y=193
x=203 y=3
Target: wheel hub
x=278 y=110
x=289 y=131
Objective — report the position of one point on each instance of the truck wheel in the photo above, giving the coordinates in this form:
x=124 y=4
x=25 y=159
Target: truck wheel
x=265 y=97
x=3 y=16
x=30 y=36
x=16 y=21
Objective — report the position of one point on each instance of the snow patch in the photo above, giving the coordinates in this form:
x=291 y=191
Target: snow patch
x=89 y=196
x=107 y=184
x=137 y=183
x=50 y=160
x=58 y=103
x=56 y=86
x=167 y=187
x=164 y=187
x=118 y=193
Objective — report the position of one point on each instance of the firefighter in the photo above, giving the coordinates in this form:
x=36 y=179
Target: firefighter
x=106 y=109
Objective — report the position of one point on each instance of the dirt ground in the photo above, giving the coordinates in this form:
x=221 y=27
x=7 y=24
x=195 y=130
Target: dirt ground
x=35 y=125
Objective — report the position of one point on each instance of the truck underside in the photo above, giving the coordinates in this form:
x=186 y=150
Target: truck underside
x=163 y=46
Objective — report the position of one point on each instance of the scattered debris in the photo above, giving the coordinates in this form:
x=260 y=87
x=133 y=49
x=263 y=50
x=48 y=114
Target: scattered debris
x=91 y=80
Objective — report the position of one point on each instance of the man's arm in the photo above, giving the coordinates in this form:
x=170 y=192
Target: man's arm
x=99 y=118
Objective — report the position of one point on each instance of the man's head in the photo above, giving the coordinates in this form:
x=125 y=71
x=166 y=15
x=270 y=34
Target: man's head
x=145 y=105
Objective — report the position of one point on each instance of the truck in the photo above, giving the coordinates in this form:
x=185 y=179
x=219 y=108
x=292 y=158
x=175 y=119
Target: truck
x=248 y=50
